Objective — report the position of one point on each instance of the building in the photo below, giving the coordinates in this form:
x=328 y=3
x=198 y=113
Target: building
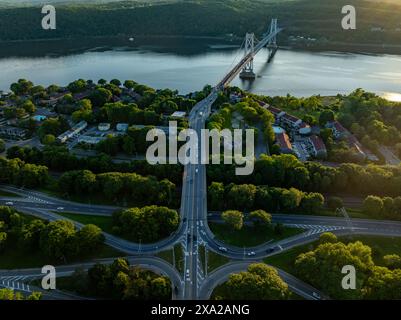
x=339 y=132
x=13 y=132
x=53 y=99
x=122 y=127
x=283 y=141
x=75 y=130
x=316 y=147
x=90 y=139
x=291 y=123
x=104 y=126
x=179 y=114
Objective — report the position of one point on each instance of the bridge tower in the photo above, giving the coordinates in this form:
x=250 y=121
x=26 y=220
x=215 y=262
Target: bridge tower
x=247 y=71
x=272 y=44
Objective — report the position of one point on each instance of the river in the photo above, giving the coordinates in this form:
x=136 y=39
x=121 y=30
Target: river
x=187 y=65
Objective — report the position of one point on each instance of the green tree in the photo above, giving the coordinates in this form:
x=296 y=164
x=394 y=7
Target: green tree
x=260 y=282
x=335 y=203
x=234 y=219
x=373 y=205
x=260 y=218
x=89 y=239
x=49 y=139
x=57 y=240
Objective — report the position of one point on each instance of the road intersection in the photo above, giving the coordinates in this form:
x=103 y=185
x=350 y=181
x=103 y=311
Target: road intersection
x=195 y=282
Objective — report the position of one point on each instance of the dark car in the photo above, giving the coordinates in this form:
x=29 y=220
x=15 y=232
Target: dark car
x=270 y=250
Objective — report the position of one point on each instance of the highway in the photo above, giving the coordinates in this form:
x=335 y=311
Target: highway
x=222 y=274
x=194 y=203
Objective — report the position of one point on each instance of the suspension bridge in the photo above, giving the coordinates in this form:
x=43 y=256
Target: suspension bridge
x=244 y=68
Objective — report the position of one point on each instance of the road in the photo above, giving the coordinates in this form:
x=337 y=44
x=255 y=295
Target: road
x=194 y=203
x=222 y=274
x=195 y=223
x=154 y=264
x=390 y=157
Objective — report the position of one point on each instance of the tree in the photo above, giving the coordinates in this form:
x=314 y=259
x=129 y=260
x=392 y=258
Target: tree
x=373 y=205
x=116 y=82
x=326 y=116
x=57 y=240
x=49 y=139
x=147 y=224
x=2 y=145
x=89 y=239
x=328 y=237
x=241 y=196
x=322 y=267
x=392 y=261
x=335 y=203
x=260 y=218
x=129 y=84
x=100 y=97
x=28 y=106
x=234 y=219
x=3 y=239
x=312 y=202
x=216 y=195
x=259 y=282
x=383 y=284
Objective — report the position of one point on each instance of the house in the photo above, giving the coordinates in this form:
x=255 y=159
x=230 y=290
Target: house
x=53 y=99
x=104 y=126
x=90 y=139
x=339 y=132
x=316 y=147
x=13 y=132
x=179 y=114
x=283 y=141
x=72 y=132
x=122 y=127
x=291 y=123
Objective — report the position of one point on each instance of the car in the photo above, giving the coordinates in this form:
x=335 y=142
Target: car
x=316 y=295
x=195 y=237
x=251 y=254
x=196 y=170
x=223 y=249
x=9 y=203
x=270 y=250
x=60 y=208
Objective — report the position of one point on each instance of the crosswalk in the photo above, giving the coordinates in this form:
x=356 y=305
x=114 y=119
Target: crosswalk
x=36 y=199
x=16 y=283
x=316 y=229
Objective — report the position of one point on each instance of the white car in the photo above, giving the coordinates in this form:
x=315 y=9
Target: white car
x=223 y=249
x=60 y=208
x=251 y=254
x=9 y=203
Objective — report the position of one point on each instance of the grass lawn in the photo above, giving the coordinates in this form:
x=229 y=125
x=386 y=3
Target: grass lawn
x=16 y=258
x=4 y=193
x=166 y=255
x=179 y=258
x=103 y=222
x=249 y=236
x=286 y=259
x=215 y=261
